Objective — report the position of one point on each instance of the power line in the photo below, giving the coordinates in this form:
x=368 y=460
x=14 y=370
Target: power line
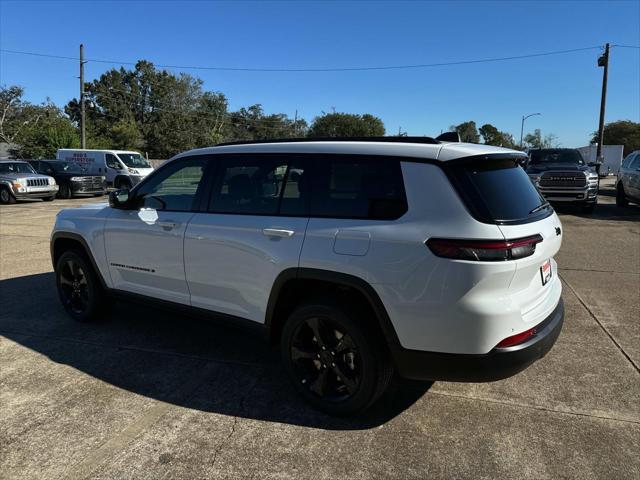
x=625 y=46
x=318 y=69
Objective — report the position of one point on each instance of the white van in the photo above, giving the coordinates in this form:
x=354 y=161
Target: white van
x=123 y=169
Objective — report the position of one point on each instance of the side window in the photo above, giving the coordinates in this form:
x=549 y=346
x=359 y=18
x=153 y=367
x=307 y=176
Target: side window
x=358 y=187
x=248 y=186
x=36 y=165
x=45 y=168
x=173 y=188
x=295 y=195
x=634 y=163
x=112 y=161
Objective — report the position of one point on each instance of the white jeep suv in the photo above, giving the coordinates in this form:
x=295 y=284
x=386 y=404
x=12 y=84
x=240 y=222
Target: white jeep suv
x=358 y=257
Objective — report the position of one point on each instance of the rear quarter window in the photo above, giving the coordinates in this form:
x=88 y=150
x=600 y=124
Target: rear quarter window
x=497 y=190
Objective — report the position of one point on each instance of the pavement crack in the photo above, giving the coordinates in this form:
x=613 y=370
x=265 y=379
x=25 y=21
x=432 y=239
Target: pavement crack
x=234 y=425
x=604 y=329
x=533 y=407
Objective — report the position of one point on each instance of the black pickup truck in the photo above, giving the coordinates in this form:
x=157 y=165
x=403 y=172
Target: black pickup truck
x=562 y=175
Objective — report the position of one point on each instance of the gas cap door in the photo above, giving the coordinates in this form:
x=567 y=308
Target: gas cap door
x=351 y=242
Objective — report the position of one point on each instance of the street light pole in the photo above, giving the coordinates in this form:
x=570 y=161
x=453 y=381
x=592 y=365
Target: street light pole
x=524 y=117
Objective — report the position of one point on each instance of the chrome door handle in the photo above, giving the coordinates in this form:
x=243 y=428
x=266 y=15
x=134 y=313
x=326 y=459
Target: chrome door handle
x=168 y=224
x=278 y=232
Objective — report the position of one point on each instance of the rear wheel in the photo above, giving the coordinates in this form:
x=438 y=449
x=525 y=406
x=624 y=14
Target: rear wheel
x=78 y=287
x=335 y=363
x=621 y=197
x=6 y=197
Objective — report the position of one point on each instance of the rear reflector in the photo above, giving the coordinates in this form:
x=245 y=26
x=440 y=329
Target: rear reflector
x=484 y=250
x=517 y=339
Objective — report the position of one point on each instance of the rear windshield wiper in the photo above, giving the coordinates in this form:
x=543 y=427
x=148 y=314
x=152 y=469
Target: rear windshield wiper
x=540 y=207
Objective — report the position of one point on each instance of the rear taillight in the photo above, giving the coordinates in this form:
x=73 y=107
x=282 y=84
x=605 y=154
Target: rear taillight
x=484 y=250
x=517 y=339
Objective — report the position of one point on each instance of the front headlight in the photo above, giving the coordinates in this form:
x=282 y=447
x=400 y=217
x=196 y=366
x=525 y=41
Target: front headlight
x=18 y=186
x=103 y=178
x=76 y=179
x=535 y=179
x=52 y=181
x=133 y=170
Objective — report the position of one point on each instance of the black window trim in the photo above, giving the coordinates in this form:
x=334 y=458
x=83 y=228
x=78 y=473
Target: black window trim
x=200 y=191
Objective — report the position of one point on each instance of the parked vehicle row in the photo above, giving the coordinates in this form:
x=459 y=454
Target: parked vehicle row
x=360 y=258
x=74 y=173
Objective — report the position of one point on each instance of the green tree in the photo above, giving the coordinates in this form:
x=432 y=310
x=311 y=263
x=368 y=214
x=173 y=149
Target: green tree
x=252 y=124
x=492 y=136
x=346 y=125
x=467 y=131
x=621 y=132
x=536 y=140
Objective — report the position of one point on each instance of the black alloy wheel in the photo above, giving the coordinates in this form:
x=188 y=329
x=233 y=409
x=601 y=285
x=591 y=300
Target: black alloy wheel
x=326 y=359
x=335 y=357
x=74 y=288
x=78 y=287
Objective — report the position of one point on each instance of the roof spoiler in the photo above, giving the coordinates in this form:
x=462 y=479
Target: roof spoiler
x=449 y=137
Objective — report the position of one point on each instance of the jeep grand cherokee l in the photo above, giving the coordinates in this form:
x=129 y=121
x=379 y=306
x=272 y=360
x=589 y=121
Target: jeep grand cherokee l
x=360 y=259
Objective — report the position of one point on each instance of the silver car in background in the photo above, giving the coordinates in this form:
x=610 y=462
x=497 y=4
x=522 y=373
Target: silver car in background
x=628 y=181
x=19 y=181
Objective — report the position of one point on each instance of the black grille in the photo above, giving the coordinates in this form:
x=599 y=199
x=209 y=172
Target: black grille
x=37 y=182
x=563 y=179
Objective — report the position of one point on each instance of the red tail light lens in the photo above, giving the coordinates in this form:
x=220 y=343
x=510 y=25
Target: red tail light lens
x=517 y=339
x=484 y=250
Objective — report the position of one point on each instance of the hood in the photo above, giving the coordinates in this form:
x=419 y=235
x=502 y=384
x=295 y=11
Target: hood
x=557 y=167
x=15 y=176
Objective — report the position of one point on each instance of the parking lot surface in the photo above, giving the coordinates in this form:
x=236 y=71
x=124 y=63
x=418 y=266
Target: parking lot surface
x=148 y=394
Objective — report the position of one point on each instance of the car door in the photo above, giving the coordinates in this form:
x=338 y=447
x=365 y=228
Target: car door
x=144 y=243
x=632 y=177
x=253 y=229
x=113 y=167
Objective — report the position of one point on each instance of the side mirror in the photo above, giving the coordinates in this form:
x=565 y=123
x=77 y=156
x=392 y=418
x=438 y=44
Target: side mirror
x=119 y=199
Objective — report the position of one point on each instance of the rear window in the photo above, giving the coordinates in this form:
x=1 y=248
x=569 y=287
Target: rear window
x=498 y=190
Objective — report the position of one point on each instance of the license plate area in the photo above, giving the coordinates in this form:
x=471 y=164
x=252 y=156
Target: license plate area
x=545 y=272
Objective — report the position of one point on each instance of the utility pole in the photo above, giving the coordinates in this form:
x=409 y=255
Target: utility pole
x=83 y=140
x=603 y=61
x=295 y=123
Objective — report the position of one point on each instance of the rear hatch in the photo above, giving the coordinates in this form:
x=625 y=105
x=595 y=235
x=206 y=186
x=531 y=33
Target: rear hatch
x=497 y=190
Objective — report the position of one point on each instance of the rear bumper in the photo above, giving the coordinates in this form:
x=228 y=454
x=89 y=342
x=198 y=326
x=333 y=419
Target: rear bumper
x=499 y=363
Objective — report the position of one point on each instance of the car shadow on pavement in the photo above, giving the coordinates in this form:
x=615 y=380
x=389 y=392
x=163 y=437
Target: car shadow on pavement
x=186 y=361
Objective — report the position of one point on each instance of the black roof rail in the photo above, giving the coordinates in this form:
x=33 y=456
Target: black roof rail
x=426 y=140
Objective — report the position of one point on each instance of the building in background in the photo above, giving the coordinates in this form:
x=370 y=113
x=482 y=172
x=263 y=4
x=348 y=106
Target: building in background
x=612 y=157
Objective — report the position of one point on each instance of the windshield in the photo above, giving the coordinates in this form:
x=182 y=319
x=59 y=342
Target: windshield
x=539 y=157
x=18 y=167
x=134 y=160
x=66 y=167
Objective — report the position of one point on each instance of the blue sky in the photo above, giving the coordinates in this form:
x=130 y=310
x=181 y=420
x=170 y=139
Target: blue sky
x=564 y=88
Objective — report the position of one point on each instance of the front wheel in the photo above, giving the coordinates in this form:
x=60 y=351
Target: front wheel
x=64 y=191
x=49 y=199
x=6 y=197
x=621 y=197
x=336 y=362
x=78 y=287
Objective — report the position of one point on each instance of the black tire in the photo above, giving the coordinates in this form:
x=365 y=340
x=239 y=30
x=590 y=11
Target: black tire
x=64 y=191
x=6 y=197
x=79 y=288
x=122 y=183
x=621 y=197
x=49 y=199
x=589 y=207
x=323 y=345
